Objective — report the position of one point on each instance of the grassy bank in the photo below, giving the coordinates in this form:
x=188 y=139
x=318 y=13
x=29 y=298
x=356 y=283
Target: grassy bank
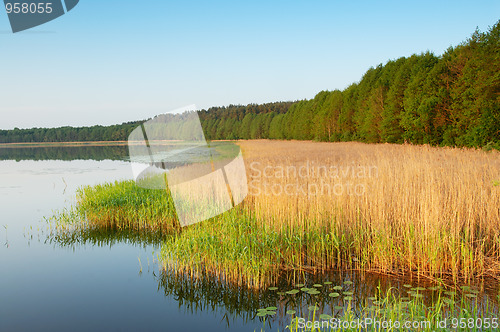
x=417 y=210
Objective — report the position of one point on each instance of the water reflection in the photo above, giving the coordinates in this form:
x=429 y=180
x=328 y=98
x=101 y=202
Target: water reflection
x=100 y=236
x=298 y=295
x=64 y=152
x=329 y=293
x=205 y=293
x=198 y=293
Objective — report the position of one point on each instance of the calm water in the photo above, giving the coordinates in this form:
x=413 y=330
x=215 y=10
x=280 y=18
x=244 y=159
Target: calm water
x=110 y=281
x=48 y=287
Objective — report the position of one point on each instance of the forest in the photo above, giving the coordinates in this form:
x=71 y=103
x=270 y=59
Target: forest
x=451 y=99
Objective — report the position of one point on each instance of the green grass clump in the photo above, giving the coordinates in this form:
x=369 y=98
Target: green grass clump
x=112 y=212
x=124 y=205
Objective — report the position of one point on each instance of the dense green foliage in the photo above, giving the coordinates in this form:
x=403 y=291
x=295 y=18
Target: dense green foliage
x=241 y=122
x=452 y=99
x=69 y=134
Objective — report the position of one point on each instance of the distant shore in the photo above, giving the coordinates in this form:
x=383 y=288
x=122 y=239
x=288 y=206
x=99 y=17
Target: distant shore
x=70 y=144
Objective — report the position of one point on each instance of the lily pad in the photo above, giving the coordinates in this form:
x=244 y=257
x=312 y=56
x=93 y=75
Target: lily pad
x=317 y=285
x=304 y=289
x=325 y=317
x=291 y=312
x=327 y=282
x=337 y=307
x=313 y=292
x=293 y=291
x=313 y=307
x=334 y=294
x=348 y=298
x=348 y=282
x=271 y=308
x=337 y=287
x=348 y=293
x=273 y=288
x=407 y=286
x=299 y=285
x=262 y=313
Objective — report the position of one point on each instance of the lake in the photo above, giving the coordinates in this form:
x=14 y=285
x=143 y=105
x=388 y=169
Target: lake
x=114 y=281
x=81 y=287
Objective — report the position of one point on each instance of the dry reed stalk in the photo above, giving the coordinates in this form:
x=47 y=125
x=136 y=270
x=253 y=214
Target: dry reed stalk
x=425 y=209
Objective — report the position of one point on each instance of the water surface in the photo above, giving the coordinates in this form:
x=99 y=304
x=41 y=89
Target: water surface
x=46 y=286
x=111 y=280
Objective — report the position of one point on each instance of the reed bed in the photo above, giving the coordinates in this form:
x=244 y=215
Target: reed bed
x=420 y=209
x=121 y=206
x=395 y=209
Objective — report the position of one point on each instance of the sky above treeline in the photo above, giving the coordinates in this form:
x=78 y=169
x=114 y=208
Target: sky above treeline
x=108 y=62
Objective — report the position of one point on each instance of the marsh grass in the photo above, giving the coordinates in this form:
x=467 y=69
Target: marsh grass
x=126 y=206
x=431 y=212
x=424 y=210
x=114 y=212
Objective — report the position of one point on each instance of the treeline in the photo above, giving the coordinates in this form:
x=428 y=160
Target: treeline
x=217 y=123
x=69 y=134
x=452 y=99
x=241 y=122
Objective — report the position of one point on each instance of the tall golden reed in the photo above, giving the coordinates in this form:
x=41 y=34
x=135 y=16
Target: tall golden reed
x=429 y=210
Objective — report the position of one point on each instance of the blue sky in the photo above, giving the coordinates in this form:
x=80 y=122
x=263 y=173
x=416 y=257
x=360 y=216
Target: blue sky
x=109 y=61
